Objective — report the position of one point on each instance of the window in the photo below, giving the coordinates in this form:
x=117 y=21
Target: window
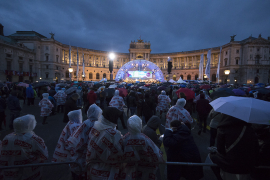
x=30 y=68
x=196 y=76
x=21 y=67
x=250 y=57
x=47 y=58
x=226 y=52
x=56 y=67
x=104 y=75
x=90 y=57
x=47 y=48
x=189 y=77
x=8 y=65
x=67 y=74
x=30 y=60
x=20 y=58
x=250 y=50
x=236 y=61
x=47 y=67
x=38 y=47
x=57 y=49
x=47 y=75
x=8 y=55
x=97 y=58
x=75 y=73
x=258 y=71
x=237 y=51
x=97 y=76
x=225 y=62
x=214 y=77
x=258 y=49
x=90 y=76
x=57 y=58
x=236 y=71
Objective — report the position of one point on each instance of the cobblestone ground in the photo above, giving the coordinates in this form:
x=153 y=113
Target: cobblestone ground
x=51 y=132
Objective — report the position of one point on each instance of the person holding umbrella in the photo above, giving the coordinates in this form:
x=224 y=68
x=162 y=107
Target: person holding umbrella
x=163 y=102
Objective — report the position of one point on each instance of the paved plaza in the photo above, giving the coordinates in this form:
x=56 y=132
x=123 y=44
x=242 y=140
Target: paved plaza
x=51 y=132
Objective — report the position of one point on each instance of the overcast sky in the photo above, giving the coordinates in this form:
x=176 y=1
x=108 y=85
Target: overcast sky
x=110 y=25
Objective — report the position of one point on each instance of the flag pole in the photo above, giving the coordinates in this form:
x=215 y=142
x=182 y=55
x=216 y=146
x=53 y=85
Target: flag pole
x=69 y=61
x=77 y=72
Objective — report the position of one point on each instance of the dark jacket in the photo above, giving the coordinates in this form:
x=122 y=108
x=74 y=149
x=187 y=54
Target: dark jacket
x=182 y=148
x=203 y=107
x=132 y=100
x=70 y=105
x=244 y=155
x=3 y=104
x=52 y=92
x=92 y=97
x=29 y=92
x=13 y=103
x=150 y=130
x=148 y=106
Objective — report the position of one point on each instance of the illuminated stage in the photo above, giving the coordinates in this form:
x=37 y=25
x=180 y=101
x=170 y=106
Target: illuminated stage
x=140 y=70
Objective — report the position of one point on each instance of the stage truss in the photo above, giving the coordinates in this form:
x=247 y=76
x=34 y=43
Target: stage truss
x=139 y=65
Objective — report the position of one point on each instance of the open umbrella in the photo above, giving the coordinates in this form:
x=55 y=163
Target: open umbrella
x=263 y=91
x=189 y=93
x=113 y=86
x=109 y=92
x=250 y=110
x=218 y=94
x=182 y=85
x=123 y=92
x=23 y=85
x=144 y=88
x=260 y=84
x=121 y=86
x=229 y=90
x=268 y=87
x=161 y=88
x=70 y=90
x=239 y=92
x=206 y=86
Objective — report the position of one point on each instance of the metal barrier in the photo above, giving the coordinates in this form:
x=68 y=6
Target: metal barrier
x=41 y=164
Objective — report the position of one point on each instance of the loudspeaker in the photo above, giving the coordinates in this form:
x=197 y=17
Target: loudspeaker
x=110 y=66
x=169 y=67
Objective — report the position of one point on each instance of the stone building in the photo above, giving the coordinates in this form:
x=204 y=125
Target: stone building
x=28 y=55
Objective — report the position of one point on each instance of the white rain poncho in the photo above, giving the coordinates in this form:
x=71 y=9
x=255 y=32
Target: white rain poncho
x=23 y=147
x=178 y=112
x=139 y=148
x=206 y=97
x=78 y=141
x=46 y=105
x=60 y=97
x=61 y=154
x=105 y=144
x=117 y=101
x=163 y=102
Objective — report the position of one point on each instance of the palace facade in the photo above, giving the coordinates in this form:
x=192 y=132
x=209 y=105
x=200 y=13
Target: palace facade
x=28 y=55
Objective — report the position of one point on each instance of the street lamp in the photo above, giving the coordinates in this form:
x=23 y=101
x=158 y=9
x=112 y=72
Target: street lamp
x=111 y=57
x=227 y=72
x=83 y=76
x=70 y=71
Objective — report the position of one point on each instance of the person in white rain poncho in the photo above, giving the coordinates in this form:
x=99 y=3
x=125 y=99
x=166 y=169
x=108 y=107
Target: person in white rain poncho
x=178 y=112
x=118 y=102
x=106 y=145
x=163 y=102
x=61 y=154
x=46 y=107
x=60 y=98
x=23 y=147
x=78 y=141
x=206 y=97
x=141 y=149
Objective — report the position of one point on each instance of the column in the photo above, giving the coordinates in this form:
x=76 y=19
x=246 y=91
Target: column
x=178 y=61
x=148 y=56
x=192 y=61
x=204 y=60
x=145 y=56
x=94 y=60
x=101 y=61
x=186 y=62
x=130 y=56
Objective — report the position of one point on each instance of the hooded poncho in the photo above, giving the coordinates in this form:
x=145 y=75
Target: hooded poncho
x=78 y=141
x=163 y=102
x=117 y=101
x=206 y=97
x=61 y=154
x=178 y=112
x=60 y=97
x=105 y=144
x=46 y=105
x=139 y=148
x=23 y=147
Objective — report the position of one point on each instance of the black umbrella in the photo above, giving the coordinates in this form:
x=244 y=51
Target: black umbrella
x=263 y=90
x=218 y=94
x=39 y=85
x=109 y=92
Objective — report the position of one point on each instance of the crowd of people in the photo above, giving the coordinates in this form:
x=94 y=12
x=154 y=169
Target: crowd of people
x=103 y=152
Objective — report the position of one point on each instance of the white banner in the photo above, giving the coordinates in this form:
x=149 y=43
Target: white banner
x=219 y=64
x=69 y=59
x=83 y=65
x=207 y=68
x=201 y=68
x=77 y=72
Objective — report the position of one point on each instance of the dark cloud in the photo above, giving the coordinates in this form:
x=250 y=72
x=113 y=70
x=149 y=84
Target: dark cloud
x=110 y=25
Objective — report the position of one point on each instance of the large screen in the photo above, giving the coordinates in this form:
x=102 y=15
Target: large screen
x=140 y=74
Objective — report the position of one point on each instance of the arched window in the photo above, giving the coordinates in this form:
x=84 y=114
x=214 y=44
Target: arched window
x=104 y=75
x=236 y=61
x=67 y=74
x=97 y=76
x=189 y=77
x=196 y=77
x=214 y=77
x=256 y=80
x=90 y=75
x=75 y=73
x=182 y=76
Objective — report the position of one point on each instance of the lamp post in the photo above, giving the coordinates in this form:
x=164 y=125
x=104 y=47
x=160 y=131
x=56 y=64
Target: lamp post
x=83 y=77
x=227 y=72
x=111 y=56
x=70 y=71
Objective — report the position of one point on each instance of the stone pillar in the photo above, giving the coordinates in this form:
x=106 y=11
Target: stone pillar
x=148 y=56
x=204 y=60
x=192 y=61
x=130 y=56
x=94 y=60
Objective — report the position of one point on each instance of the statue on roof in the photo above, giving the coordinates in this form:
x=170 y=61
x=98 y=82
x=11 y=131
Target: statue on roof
x=52 y=35
x=260 y=35
x=140 y=40
x=232 y=38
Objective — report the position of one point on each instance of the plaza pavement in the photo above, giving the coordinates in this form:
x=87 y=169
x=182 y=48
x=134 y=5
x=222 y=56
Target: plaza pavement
x=51 y=132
